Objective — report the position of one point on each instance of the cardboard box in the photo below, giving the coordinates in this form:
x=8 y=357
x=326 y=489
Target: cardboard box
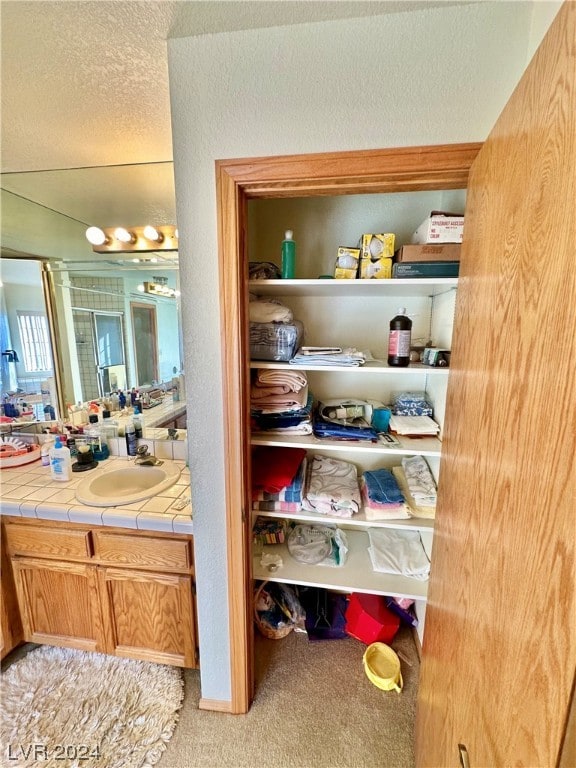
x=347 y=263
x=440 y=227
x=428 y=252
x=426 y=269
x=377 y=252
x=369 y=620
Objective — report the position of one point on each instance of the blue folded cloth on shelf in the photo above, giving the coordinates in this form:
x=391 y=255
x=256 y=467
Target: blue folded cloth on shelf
x=382 y=487
x=322 y=428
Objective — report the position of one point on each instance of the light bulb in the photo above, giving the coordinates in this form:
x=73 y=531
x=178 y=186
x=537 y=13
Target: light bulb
x=96 y=236
x=123 y=235
x=151 y=233
x=141 y=287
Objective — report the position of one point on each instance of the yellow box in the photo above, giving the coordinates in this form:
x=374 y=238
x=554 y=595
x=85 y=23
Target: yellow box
x=347 y=263
x=377 y=251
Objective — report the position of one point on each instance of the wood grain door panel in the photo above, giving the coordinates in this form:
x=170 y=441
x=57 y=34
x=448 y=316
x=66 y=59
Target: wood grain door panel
x=499 y=652
x=59 y=603
x=149 y=616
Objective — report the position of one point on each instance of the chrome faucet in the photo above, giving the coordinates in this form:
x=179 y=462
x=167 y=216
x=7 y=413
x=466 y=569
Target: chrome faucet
x=146 y=459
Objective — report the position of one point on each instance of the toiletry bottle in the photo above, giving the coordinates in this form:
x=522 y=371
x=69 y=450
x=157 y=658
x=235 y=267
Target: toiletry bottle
x=45 y=452
x=60 y=461
x=288 y=256
x=138 y=422
x=130 y=438
x=399 y=340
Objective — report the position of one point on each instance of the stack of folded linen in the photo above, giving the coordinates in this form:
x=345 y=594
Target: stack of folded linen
x=417 y=484
x=278 y=478
x=398 y=552
x=329 y=356
x=382 y=497
x=331 y=487
x=281 y=403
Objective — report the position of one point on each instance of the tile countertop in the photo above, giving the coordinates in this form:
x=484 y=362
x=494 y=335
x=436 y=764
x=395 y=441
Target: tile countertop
x=29 y=491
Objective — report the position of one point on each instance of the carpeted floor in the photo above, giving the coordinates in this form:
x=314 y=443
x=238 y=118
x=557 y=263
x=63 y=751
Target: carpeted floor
x=314 y=708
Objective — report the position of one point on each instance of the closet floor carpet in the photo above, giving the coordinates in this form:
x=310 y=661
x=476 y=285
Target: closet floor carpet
x=314 y=708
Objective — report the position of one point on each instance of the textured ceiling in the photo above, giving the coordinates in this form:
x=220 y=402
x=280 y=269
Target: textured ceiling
x=85 y=84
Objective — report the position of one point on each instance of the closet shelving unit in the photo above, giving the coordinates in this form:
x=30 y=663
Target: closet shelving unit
x=278 y=181
x=373 y=380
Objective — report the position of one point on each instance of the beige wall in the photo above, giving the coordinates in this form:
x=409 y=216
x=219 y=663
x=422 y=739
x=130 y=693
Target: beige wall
x=424 y=77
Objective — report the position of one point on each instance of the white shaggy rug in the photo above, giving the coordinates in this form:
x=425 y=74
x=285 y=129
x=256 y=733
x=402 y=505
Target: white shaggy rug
x=63 y=708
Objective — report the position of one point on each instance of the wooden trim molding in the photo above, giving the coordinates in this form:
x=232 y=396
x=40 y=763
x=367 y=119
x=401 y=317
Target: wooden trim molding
x=215 y=705
x=406 y=169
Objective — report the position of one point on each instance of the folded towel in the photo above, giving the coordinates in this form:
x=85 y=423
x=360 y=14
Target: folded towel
x=418 y=510
x=382 y=488
x=398 y=552
x=290 y=401
x=260 y=392
x=291 y=493
x=420 y=481
x=269 y=311
x=275 y=468
x=331 y=487
x=295 y=380
x=348 y=357
x=374 y=511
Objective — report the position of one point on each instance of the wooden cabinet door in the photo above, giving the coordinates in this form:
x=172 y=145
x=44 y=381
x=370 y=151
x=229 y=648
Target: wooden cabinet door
x=59 y=603
x=499 y=652
x=149 y=616
x=11 y=626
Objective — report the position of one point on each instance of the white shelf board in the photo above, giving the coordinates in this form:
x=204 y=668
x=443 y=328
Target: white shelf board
x=408 y=446
x=399 y=287
x=371 y=367
x=356 y=521
x=355 y=576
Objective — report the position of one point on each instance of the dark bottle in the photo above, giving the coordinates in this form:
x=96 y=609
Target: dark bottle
x=399 y=340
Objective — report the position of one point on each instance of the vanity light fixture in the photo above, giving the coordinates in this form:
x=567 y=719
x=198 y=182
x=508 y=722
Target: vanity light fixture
x=145 y=239
x=151 y=233
x=124 y=236
x=97 y=236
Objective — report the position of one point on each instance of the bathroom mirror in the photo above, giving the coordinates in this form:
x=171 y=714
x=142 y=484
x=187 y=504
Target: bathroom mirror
x=109 y=331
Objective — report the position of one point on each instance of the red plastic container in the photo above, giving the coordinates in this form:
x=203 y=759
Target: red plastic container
x=369 y=620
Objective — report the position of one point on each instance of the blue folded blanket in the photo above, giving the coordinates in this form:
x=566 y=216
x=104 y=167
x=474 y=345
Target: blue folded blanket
x=382 y=487
x=323 y=428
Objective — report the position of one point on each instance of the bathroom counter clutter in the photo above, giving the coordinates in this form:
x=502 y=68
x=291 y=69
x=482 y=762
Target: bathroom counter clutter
x=29 y=491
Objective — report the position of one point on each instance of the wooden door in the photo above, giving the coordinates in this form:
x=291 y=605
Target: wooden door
x=149 y=616
x=59 y=603
x=499 y=652
x=10 y=624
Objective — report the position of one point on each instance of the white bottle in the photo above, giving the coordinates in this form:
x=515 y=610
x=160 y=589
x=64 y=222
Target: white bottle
x=60 y=462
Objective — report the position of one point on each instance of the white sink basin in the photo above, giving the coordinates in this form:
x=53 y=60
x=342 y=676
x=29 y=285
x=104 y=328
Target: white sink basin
x=117 y=487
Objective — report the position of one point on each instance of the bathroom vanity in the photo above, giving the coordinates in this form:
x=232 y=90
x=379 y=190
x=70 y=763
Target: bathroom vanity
x=117 y=580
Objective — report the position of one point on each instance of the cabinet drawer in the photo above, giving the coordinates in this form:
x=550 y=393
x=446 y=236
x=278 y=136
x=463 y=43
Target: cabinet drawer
x=48 y=542
x=144 y=551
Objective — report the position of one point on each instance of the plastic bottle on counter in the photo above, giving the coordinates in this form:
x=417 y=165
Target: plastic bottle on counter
x=399 y=340
x=288 y=256
x=45 y=452
x=130 y=432
x=138 y=421
x=60 y=461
